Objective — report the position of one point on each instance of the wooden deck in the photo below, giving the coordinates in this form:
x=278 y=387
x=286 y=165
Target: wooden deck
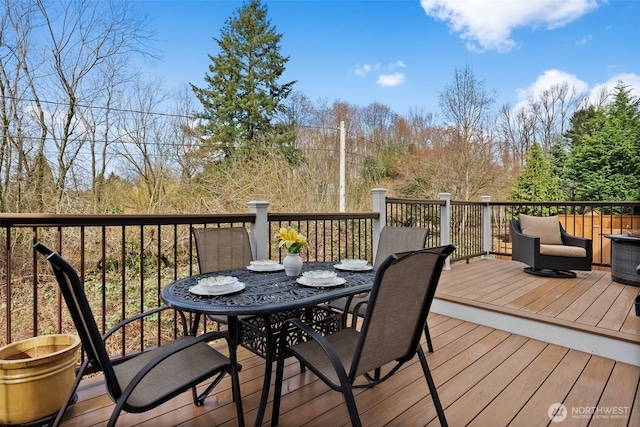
x=486 y=375
x=589 y=313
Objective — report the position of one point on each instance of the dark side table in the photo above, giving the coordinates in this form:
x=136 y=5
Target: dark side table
x=625 y=258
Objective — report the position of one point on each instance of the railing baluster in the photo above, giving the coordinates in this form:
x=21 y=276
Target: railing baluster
x=101 y=247
x=34 y=286
x=123 y=278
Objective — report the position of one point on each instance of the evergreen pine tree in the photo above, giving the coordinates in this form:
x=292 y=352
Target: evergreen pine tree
x=604 y=162
x=537 y=182
x=243 y=95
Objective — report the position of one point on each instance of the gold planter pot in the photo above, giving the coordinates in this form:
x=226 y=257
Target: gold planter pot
x=35 y=376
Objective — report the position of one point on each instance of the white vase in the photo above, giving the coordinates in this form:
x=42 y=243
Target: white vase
x=292 y=264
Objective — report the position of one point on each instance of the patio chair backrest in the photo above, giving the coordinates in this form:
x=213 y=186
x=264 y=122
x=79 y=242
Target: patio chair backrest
x=399 y=303
x=394 y=240
x=222 y=248
x=78 y=305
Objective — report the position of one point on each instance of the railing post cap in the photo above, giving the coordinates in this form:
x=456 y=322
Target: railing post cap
x=258 y=203
x=378 y=190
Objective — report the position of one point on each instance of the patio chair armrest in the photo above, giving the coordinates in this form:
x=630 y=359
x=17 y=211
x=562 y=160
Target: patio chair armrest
x=525 y=239
x=523 y=247
x=571 y=240
x=322 y=342
x=205 y=337
x=187 y=341
x=356 y=312
x=298 y=323
x=142 y=315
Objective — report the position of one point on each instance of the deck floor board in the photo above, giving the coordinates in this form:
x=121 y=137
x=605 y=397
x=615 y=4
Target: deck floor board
x=485 y=376
x=591 y=302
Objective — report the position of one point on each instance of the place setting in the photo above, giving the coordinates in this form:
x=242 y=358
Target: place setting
x=320 y=279
x=353 y=264
x=217 y=285
x=265 y=265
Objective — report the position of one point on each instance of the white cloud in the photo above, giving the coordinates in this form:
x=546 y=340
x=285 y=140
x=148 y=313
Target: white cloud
x=390 y=80
x=488 y=24
x=363 y=70
x=628 y=79
x=386 y=75
x=549 y=79
x=552 y=78
x=583 y=41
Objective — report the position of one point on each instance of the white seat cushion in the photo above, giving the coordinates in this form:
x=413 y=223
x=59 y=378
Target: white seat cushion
x=563 y=250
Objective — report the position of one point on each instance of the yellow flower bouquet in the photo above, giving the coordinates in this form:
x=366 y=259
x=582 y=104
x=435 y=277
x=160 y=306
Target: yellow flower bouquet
x=290 y=238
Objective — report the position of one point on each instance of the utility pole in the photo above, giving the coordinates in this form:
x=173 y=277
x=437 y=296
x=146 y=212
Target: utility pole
x=342 y=167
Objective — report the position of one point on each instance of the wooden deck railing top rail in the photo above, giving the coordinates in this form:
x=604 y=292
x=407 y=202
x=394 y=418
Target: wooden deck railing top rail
x=61 y=220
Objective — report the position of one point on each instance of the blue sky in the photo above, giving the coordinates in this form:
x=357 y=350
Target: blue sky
x=403 y=53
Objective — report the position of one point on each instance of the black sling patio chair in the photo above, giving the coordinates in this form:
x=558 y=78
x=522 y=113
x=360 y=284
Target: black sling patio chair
x=221 y=248
x=390 y=332
x=153 y=377
x=392 y=240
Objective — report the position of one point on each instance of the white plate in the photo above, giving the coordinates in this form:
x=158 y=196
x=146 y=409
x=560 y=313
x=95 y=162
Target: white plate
x=336 y=281
x=355 y=263
x=319 y=276
x=199 y=290
x=342 y=267
x=263 y=268
x=217 y=282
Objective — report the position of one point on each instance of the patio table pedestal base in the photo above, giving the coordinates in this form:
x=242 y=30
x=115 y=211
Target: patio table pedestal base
x=261 y=335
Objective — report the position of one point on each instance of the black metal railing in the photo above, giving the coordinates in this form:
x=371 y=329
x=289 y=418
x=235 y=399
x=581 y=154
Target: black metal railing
x=416 y=213
x=464 y=218
x=125 y=260
x=466 y=229
x=331 y=237
x=593 y=220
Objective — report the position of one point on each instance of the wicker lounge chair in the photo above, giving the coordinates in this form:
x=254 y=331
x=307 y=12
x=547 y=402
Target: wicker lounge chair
x=390 y=332
x=153 y=377
x=542 y=244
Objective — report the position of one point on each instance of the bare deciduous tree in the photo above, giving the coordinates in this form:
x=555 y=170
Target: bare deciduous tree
x=543 y=119
x=468 y=145
x=144 y=144
x=186 y=140
x=552 y=109
x=517 y=131
x=54 y=91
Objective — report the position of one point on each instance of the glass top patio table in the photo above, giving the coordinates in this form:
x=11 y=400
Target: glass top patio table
x=266 y=295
